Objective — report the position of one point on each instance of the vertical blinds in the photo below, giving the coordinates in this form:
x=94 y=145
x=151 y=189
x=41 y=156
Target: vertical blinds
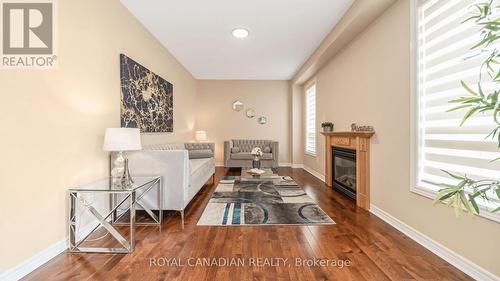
x=311 y=120
x=445 y=58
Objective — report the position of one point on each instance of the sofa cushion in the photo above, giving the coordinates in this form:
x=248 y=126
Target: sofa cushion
x=248 y=156
x=267 y=156
x=196 y=164
x=235 y=149
x=200 y=153
x=241 y=156
x=200 y=170
x=267 y=149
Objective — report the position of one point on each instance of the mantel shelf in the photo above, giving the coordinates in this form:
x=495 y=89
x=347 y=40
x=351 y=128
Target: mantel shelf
x=362 y=134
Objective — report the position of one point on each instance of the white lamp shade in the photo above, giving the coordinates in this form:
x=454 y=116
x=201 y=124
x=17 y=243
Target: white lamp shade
x=122 y=139
x=201 y=135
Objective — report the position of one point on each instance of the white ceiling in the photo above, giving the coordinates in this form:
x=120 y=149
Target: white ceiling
x=283 y=33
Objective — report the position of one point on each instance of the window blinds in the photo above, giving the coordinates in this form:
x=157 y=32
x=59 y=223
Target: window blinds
x=311 y=120
x=445 y=58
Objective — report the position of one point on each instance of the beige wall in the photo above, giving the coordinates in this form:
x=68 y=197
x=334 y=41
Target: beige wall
x=52 y=121
x=297 y=133
x=267 y=98
x=369 y=83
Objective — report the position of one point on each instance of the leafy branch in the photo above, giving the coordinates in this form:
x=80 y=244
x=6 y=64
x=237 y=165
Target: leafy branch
x=463 y=196
x=457 y=197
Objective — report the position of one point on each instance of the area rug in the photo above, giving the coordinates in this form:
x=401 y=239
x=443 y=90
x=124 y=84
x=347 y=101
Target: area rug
x=276 y=201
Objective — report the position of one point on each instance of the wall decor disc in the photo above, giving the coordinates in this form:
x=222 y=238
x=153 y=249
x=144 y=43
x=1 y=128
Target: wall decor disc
x=250 y=113
x=237 y=105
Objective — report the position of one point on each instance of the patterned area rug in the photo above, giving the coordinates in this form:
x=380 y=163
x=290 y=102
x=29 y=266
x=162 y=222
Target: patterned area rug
x=276 y=201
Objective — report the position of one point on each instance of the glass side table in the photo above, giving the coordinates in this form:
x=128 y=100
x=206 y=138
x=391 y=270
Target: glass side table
x=127 y=198
x=268 y=174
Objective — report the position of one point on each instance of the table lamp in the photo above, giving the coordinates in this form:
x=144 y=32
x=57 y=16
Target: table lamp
x=200 y=136
x=120 y=140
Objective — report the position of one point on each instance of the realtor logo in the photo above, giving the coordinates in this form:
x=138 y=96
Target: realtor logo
x=28 y=34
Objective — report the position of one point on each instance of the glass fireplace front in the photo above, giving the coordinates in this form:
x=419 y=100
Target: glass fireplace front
x=344 y=171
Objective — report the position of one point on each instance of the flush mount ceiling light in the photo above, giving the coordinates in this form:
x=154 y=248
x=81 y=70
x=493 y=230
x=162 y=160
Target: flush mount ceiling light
x=240 y=32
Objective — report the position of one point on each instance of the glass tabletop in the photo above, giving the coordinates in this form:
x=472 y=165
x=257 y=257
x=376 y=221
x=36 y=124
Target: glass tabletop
x=268 y=173
x=112 y=184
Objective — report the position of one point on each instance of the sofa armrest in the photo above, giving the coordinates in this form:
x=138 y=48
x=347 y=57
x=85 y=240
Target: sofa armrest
x=227 y=152
x=275 y=150
x=198 y=150
x=200 y=146
x=172 y=165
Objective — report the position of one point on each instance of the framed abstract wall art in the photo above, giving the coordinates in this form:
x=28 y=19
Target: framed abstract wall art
x=146 y=99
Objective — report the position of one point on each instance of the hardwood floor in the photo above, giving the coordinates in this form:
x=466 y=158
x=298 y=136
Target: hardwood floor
x=376 y=250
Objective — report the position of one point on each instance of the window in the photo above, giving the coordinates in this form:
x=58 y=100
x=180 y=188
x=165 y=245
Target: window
x=311 y=120
x=442 y=59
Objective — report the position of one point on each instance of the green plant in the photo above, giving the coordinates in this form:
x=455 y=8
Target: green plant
x=464 y=194
x=327 y=124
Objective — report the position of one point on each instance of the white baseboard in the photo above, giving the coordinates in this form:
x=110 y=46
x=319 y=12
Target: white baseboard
x=314 y=173
x=463 y=264
x=298 y=166
x=19 y=271
x=219 y=164
x=26 y=267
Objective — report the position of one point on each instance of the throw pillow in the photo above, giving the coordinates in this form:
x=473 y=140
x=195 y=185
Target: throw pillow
x=267 y=149
x=200 y=153
x=235 y=149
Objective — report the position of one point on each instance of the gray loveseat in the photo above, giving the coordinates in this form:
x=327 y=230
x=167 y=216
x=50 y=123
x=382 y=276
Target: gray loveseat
x=237 y=153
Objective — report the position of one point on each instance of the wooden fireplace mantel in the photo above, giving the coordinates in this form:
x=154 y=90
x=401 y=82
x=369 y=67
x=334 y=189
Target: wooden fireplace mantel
x=359 y=141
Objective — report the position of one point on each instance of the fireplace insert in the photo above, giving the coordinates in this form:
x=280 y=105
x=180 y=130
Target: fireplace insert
x=344 y=171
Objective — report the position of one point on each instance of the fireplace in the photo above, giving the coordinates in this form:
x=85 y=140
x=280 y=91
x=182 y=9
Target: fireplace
x=352 y=150
x=344 y=171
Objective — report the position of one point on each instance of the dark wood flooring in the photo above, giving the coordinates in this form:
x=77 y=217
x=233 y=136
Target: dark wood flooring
x=376 y=250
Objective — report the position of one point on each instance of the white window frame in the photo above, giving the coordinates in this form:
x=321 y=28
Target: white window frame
x=415 y=139
x=306 y=88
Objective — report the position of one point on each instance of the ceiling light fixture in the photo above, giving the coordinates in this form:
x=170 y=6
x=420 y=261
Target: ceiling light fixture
x=240 y=33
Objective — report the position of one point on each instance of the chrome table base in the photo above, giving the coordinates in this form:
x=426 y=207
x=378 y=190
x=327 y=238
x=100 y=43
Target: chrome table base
x=111 y=219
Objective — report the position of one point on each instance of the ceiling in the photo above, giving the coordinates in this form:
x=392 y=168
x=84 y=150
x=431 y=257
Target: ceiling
x=283 y=34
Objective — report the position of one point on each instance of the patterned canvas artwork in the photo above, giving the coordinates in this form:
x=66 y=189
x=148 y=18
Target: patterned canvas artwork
x=146 y=99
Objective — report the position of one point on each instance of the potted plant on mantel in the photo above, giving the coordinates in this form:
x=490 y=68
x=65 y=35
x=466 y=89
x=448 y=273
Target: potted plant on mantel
x=327 y=127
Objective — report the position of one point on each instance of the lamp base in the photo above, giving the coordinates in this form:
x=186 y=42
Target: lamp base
x=126 y=180
x=120 y=173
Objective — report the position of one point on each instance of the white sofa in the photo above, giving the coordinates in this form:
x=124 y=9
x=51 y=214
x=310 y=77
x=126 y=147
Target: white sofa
x=182 y=177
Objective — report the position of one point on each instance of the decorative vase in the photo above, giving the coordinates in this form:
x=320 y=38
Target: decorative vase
x=256 y=163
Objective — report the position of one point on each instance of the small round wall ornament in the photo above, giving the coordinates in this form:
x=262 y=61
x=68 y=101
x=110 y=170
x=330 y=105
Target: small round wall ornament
x=237 y=105
x=250 y=113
